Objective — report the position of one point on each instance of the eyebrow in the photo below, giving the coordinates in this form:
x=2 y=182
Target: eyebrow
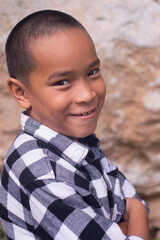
x=61 y=74
x=95 y=63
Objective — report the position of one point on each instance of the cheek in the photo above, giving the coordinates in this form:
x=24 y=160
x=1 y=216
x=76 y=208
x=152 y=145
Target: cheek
x=60 y=102
x=101 y=90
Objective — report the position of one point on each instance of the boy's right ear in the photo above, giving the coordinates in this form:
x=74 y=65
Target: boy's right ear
x=19 y=92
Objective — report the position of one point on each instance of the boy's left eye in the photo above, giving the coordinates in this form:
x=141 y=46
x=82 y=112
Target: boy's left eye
x=61 y=83
x=93 y=72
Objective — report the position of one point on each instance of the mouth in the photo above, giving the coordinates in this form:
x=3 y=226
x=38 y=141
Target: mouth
x=84 y=113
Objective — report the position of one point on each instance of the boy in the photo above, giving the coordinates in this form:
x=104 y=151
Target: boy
x=56 y=182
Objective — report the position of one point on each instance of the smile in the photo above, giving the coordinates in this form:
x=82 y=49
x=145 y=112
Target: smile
x=85 y=114
x=91 y=112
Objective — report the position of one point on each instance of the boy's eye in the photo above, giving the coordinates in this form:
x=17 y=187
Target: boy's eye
x=93 y=72
x=61 y=83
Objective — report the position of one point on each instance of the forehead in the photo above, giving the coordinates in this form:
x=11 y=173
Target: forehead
x=73 y=43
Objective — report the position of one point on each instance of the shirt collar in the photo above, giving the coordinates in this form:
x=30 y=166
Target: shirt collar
x=75 y=151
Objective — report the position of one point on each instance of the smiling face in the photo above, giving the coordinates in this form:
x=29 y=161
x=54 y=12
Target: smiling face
x=66 y=90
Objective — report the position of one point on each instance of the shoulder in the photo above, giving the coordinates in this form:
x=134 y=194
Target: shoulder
x=27 y=158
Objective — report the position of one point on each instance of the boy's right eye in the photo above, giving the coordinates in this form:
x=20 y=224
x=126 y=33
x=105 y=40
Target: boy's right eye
x=61 y=83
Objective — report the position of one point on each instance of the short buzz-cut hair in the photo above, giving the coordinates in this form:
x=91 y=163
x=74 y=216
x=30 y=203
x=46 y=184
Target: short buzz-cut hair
x=19 y=56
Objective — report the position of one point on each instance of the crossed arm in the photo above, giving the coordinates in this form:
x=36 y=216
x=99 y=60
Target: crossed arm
x=136 y=219
x=56 y=217
x=90 y=224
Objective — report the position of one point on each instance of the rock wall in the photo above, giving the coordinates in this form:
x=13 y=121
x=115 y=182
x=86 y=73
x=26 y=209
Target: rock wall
x=127 y=38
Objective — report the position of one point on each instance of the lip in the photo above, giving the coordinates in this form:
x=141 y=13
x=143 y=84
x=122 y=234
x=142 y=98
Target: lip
x=86 y=114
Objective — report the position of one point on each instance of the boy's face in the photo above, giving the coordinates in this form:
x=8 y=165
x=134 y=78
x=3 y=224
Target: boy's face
x=66 y=90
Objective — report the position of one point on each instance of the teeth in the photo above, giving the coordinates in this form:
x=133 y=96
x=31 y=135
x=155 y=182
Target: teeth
x=85 y=114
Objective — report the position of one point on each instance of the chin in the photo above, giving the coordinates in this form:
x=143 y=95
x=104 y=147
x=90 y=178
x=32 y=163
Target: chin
x=85 y=134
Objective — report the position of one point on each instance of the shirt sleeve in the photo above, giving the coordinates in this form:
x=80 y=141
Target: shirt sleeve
x=118 y=182
x=59 y=212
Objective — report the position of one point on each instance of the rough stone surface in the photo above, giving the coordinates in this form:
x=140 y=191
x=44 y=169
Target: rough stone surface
x=127 y=38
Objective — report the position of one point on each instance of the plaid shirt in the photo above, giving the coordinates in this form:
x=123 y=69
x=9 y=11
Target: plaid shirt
x=55 y=188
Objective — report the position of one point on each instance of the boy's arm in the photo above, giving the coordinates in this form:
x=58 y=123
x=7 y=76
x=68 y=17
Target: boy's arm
x=61 y=213
x=125 y=187
x=136 y=219
x=136 y=209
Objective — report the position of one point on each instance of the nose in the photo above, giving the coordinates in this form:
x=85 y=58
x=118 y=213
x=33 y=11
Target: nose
x=85 y=92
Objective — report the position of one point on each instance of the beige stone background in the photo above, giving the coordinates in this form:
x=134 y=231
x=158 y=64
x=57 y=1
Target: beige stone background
x=127 y=37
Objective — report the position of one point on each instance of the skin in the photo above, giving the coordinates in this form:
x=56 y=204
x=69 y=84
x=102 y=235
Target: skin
x=66 y=92
x=137 y=222
x=65 y=84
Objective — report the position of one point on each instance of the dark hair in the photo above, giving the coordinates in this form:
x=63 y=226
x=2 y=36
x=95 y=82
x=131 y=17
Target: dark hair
x=20 y=60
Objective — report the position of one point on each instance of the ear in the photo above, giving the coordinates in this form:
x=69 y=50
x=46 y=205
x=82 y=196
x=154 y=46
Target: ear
x=19 y=92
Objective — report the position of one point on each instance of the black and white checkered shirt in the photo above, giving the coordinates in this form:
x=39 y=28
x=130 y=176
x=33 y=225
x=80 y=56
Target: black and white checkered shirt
x=55 y=188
